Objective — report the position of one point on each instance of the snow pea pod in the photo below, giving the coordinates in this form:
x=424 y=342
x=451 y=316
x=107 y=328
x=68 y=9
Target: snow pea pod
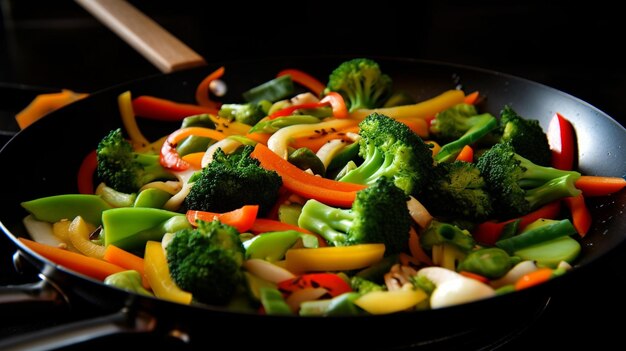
x=55 y=208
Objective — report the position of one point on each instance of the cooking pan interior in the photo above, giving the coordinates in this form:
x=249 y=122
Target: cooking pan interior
x=43 y=159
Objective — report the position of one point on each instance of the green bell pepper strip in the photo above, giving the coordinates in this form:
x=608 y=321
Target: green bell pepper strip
x=130 y=227
x=273 y=125
x=550 y=253
x=450 y=150
x=55 y=208
x=152 y=197
x=273 y=90
x=114 y=197
x=272 y=246
x=535 y=235
x=273 y=302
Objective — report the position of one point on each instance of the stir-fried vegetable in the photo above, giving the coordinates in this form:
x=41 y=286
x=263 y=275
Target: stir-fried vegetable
x=339 y=202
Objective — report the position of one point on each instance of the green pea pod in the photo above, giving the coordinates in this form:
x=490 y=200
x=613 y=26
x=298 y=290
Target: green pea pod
x=271 y=246
x=130 y=227
x=551 y=230
x=201 y=120
x=55 y=208
x=114 y=197
x=450 y=150
x=273 y=125
x=491 y=262
x=346 y=154
x=304 y=159
x=152 y=197
x=127 y=280
x=193 y=144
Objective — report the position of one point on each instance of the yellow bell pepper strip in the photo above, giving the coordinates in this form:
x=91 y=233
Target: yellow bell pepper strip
x=89 y=266
x=204 y=88
x=170 y=157
x=55 y=208
x=337 y=258
x=304 y=184
x=158 y=274
x=84 y=178
x=130 y=123
x=127 y=260
x=424 y=109
x=167 y=110
x=242 y=218
x=304 y=79
x=384 y=302
x=79 y=232
x=44 y=104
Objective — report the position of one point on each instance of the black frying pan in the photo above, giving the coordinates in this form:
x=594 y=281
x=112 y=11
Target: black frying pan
x=42 y=160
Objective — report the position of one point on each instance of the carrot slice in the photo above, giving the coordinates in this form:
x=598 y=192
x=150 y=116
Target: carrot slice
x=466 y=154
x=472 y=98
x=89 y=266
x=600 y=186
x=127 y=260
x=534 y=278
x=581 y=218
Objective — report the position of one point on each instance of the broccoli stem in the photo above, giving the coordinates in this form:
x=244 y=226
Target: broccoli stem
x=554 y=189
x=374 y=159
x=330 y=222
x=535 y=175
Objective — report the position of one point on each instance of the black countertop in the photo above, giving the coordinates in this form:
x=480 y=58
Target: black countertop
x=574 y=49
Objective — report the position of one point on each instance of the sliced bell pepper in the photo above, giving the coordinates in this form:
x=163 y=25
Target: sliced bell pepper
x=158 y=274
x=329 y=281
x=466 y=154
x=384 y=302
x=124 y=101
x=55 y=208
x=338 y=258
x=561 y=140
x=304 y=79
x=170 y=157
x=241 y=218
x=85 y=173
x=581 y=217
x=44 y=104
x=271 y=246
x=167 y=110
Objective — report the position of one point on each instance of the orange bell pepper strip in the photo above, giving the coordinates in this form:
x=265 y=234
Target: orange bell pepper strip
x=489 y=232
x=44 y=104
x=167 y=110
x=534 y=278
x=297 y=181
x=581 y=217
x=599 y=186
x=85 y=173
x=89 y=266
x=474 y=276
x=170 y=157
x=304 y=79
x=466 y=154
x=204 y=88
x=472 y=98
x=242 y=218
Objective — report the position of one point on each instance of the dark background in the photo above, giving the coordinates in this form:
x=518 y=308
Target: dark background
x=576 y=49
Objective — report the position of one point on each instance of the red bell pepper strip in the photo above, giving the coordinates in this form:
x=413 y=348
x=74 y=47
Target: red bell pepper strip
x=581 y=217
x=329 y=281
x=599 y=186
x=466 y=154
x=203 y=89
x=167 y=110
x=474 y=276
x=334 y=99
x=489 y=232
x=85 y=173
x=561 y=140
x=242 y=218
x=170 y=157
x=304 y=79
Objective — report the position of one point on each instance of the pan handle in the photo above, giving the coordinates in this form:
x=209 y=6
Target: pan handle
x=124 y=321
x=40 y=296
x=151 y=40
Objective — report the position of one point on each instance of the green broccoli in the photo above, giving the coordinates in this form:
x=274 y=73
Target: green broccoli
x=526 y=136
x=249 y=113
x=123 y=169
x=458 y=191
x=378 y=215
x=390 y=149
x=207 y=261
x=361 y=83
x=520 y=186
x=439 y=233
x=231 y=181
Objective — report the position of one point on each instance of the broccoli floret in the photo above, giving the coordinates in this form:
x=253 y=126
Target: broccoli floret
x=123 y=169
x=231 y=181
x=361 y=83
x=518 y=185
x=390 y=149
x=249 y=113
x=207 y=261
x=451 y=124
x=363 y=286
x=526 y=136
x=458 y=191
x=378 y=215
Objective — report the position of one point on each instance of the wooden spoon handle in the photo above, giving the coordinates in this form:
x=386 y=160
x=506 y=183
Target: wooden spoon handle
x=151 y=40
